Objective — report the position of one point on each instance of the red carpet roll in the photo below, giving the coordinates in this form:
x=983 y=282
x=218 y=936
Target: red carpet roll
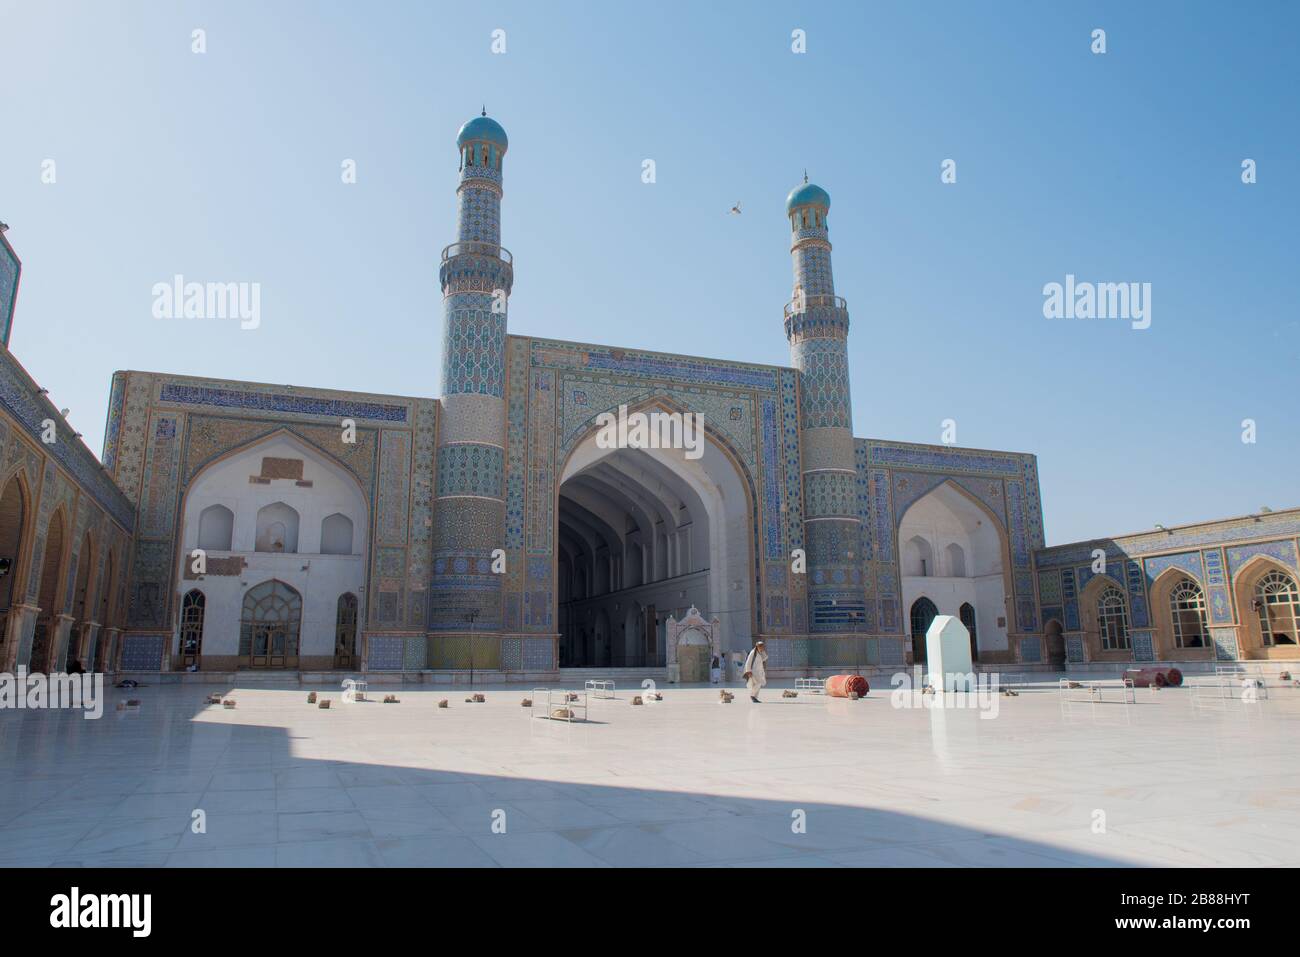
x=1160 y=677
x=840 y=686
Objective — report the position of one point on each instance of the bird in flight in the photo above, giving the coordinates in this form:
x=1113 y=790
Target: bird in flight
x=735 y=210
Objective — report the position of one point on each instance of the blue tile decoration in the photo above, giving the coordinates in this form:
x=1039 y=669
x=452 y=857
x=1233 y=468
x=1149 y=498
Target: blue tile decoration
x=1071 y=600
x=891 y=652
x=792 y=498
x=539 y=654
x=1189 y=562
x=386 y=653
x=1216 y=581
x=779 y=653
x=1207 y=536
x=799 y=652
x=1137 y=601
x=1283 y=552
x=1143 y=649
x=632 y=364
x=20 y=397
x=824 y=368
x=280 y=402
x=1074 y=649
x=10 y=273
x=143 y=652
x=512 y=654
x=1225 y=644
x=467 y=469
x=931 y=458
x=1031 y=650
x=415 y=655
x=773 y=528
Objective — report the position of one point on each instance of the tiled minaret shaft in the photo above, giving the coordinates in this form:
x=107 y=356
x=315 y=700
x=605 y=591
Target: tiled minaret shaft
x=469 y=511
x=817 y=328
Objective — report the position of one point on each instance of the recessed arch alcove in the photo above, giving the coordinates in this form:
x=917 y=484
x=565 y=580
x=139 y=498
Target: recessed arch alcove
x=644 y=534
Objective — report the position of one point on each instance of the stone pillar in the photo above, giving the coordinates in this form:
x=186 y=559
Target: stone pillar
x=112 y=638
x=86 y=646
x=62 y=637
x=19 y=629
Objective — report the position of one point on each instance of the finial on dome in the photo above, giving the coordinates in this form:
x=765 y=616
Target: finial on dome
x=805 y=174
x=484 y=113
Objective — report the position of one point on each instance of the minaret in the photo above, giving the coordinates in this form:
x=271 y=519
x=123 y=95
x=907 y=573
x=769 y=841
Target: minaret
x=469 y=510
x=817 y=328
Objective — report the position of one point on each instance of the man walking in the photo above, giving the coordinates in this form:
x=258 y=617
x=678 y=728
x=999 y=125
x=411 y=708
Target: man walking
x=756 y=670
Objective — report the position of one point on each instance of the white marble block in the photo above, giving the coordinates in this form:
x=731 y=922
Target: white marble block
x=947 y=654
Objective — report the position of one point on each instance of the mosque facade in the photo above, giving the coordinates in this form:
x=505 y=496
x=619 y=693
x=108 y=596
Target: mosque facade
x=234 y=525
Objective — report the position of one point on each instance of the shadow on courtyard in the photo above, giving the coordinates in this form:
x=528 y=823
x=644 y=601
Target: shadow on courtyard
x=122 y=791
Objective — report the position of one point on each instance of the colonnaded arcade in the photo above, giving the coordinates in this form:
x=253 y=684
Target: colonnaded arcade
x=490 y=530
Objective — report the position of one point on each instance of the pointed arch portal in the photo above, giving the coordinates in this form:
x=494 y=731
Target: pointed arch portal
x=644 y=534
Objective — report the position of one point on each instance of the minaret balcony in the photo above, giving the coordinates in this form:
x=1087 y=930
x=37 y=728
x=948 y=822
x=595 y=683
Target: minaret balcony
x=808 y=304
x=817 y=317
x=478 y=249
x=473 y=266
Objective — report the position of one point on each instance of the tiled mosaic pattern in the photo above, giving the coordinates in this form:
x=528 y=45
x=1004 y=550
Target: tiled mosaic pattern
x=10 y=270
x=1225 y=643
x=385 y=653
x=470 y=470
x=143 y=652
x=255 y=397
x=20 y=399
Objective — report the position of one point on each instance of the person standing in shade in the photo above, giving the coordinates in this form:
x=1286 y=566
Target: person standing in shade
x=756 y=670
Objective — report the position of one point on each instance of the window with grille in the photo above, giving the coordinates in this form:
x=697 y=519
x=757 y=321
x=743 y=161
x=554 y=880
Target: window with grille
x=1187 y=605
x=1277 y=602
x=1112 y=619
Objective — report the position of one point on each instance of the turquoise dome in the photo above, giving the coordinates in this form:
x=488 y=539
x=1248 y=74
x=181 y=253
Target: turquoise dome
x=807 y=194
x=482 y=128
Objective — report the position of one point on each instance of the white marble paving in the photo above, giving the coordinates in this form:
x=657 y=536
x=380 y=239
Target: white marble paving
x=683 y=782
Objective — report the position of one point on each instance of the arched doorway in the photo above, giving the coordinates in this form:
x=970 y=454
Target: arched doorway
x=269 y=626
x=13 y=514
x=693 y=655
x=955 y=551
x=1277 y=602
x=1054 y=635
x=646 y=528
x=81 y=602
x=1104 y=617
x=47 y=596
x=1268 y=596
x=193 y=611
x=923 y=613
x=967 y=616
x=345 y=631
x=1179 y=613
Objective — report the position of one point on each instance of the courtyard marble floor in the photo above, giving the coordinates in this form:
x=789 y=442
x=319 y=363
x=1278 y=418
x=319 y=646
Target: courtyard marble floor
x=684 y=781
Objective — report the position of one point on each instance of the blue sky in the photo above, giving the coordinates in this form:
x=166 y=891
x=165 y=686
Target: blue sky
x=1121 y=167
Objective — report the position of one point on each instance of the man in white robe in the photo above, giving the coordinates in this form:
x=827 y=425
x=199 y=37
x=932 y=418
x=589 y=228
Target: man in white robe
x=756 y=670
